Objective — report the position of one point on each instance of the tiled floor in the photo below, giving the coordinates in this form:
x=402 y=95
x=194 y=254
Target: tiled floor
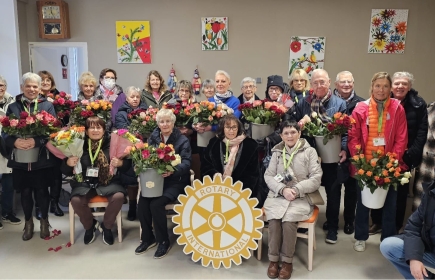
x=31 y=259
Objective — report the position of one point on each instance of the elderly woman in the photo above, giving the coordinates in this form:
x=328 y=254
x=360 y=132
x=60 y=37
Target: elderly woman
x=155 y=93
x=184 y=92
x=29 y=177
x=380 y=125
x=275 y=91
x=96 y=180
x=48 y=85
x=108 y=87
x=232 y=154
x=294 y=171
x=299 y=85
x=249 y=87
x=88 y=84
x=208 y=88
x=7 y=198
x=129 y=178
x=151 y=211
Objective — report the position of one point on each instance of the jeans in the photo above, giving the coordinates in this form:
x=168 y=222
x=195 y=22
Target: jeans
x=7 y=193
x=388 y=217
x=350 y=199
x=392 y=249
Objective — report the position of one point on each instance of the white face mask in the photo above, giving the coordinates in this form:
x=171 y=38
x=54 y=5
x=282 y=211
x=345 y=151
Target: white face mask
x=109 y=83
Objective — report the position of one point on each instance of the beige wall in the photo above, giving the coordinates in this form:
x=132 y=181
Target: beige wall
x=259 y=37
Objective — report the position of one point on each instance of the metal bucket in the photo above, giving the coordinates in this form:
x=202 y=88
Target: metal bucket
x=151 y=183
x=26 y=156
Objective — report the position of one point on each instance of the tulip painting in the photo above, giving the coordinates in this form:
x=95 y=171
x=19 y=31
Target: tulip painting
x=214 y=33
x=306 y=53
x=133 y=41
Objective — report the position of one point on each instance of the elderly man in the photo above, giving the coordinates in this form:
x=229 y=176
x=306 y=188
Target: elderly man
x=249 y=87
x=325 y=104
x=416 y=117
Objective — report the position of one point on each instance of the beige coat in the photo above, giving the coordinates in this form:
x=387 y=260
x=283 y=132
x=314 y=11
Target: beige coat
x=306 y=173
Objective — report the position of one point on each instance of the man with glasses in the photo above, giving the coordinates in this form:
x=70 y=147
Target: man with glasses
x=249 y=87
x=325 y=104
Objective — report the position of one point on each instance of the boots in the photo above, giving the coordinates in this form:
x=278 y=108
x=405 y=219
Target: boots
x=38 y=213
x=28 y=230
x=45 y=231
x=131 y=216
x=54 y=208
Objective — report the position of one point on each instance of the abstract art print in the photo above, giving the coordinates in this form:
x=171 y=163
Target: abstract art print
x=306 y=53
x=133 y=41
x=388 y=31
x=214 y=34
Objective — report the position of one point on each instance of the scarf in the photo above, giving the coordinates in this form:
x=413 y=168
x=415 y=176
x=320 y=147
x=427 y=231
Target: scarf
x=156 y=95
x=222 y=98
x=233 y=146
x=250 y=100
x=375 y=109
x=103 y=165
x=318 y=106
x=352 y=95
x=108 y=95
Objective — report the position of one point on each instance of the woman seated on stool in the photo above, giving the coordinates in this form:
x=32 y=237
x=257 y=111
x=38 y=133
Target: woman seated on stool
x=293 y=172
x=96 y=181
x=232 y=154
x=151 y=210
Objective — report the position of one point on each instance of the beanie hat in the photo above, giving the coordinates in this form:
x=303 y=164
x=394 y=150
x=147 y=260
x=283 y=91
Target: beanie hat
x=275 y=80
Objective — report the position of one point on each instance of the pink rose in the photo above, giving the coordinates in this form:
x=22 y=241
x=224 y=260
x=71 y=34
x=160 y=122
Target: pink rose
x=257 y=103
x=61 y=101
x=210 y=118
x=39 y=117
x=144 y=123
x=145 y=154
x=14 y=123
x=30 y=120
x=85 y=102
x=142 y=115
x=267 y=105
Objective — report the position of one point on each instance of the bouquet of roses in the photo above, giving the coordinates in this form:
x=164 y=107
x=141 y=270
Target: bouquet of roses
x=207 y=112
x=382 y=171
x=69 y=143
x=34 y=124
x=85 y=109
x=162 y=158
x=263 y=112
x=119 y=141
x=339 y=124
x=63 y=105
x=180 y=108
x=143 y=122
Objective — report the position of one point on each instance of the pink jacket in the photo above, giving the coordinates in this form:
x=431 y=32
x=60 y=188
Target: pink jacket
x=396 y=130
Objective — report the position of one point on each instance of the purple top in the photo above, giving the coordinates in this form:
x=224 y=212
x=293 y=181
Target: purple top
x=117 y=104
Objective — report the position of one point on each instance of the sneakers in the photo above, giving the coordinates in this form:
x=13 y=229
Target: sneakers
x=360 y=246
x=374 y=229
x=331 y=237
x=162 y=250
x=90 y=233
x=349 y=228
x=107 y=235
x=11 y=219
x=144 y=246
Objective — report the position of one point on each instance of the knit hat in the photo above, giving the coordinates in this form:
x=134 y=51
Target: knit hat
x=275 y=80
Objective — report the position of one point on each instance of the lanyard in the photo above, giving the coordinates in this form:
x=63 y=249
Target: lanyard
x=93 y=157
x=35 y=109
x=380 y=119
x=296 y=97
x=226 y=152
x=291 y=156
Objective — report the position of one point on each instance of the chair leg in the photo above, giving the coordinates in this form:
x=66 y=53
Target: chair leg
x=119 y=224
x=314 y=238
x=310 y=246
x=260 y=245
x=71 y=224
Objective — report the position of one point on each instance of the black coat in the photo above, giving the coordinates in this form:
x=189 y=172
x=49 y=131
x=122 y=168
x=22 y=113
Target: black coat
x=416 y=117
x=46 y=159
x=246 y=169
x=241 y=98
x=82 y=188
x=174 y=185
x=298 y=96
x=121 y=119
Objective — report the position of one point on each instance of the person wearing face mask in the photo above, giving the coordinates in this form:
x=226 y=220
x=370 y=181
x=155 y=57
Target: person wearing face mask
x=87 y=84
x=108 y=87
x=155 y=93
x=299 y=85
x=249 y=87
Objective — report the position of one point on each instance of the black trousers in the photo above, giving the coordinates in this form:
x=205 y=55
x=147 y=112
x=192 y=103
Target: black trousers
x=151 y=210
x=54 y=181
x=402 y=196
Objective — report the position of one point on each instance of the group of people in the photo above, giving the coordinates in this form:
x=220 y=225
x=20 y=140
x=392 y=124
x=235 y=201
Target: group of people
x=394 y=114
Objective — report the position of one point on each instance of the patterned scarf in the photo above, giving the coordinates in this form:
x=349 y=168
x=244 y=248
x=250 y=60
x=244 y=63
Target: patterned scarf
x=103 y=165
x=221 y=98
x=233 y=147
x=108 y=95
x=318 y=106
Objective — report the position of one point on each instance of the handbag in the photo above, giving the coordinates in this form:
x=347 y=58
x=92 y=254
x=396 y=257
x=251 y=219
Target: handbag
x=315 y=198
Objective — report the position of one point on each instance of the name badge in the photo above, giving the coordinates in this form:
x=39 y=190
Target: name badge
x=92 y=172
x=278 y=178
x=379 y=141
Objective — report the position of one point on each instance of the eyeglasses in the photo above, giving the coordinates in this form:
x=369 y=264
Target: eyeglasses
x=345 y=82
x=233 y=128
x=299 y=81
x=2 y=86
x=275 y=89
x=109 y=78
x=248 y=87
x=184 y=90
x=319 y=83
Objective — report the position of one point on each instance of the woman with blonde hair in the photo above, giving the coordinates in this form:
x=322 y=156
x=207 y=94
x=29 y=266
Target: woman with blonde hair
x=88 y=84
x=155 y=93
x=299 y=85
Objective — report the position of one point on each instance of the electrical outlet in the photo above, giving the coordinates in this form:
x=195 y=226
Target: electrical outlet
x=258 y=80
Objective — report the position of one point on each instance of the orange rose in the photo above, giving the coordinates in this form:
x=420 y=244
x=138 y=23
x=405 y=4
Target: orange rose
x=398 y=169
x=396 y=174
x=376 y=178
x=337 y=115
x=361 y=156
x=358 y=147
x=391 y=169
x=387 y=180
x=385 y=172
x=355 y=158
x=379 y=152
x=389 y=165
x=369 y=173
x=373 y=163
x=360 y=172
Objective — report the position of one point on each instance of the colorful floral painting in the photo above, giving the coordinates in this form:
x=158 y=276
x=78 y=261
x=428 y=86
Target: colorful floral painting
x=133 y=41
x=214 y=33
x=307 y=53
x=388 y=31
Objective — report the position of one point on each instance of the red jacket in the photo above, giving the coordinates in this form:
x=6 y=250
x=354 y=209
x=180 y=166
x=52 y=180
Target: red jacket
x=396 y=130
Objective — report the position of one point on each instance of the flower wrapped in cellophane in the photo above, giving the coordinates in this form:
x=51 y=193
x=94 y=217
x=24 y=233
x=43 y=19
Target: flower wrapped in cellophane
x=119 y=141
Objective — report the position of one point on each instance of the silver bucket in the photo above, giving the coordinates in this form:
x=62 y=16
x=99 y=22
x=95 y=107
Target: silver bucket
x=261 y=131
x=329 y=152
x=151 y=183
x=204 y=138
x=26 y=156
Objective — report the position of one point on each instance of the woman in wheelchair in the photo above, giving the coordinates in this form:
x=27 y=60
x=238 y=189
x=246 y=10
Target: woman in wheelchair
x=96 y=180
x=294 y=171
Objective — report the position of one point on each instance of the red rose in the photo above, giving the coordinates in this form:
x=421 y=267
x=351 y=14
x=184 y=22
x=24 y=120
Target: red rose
x=346 y=121
x=339 y=122
x=295 y=46
x=273 y=108
x=61 y=101
x=23 y=115
x=44 y=122
x=62 y=94
x=173 y=158
x=176 y=112
x=83 y=114
x=168 y=149
x=5 y=122
x=22 y=123
x=167 y=158
x=380 y=182
x=330 y=127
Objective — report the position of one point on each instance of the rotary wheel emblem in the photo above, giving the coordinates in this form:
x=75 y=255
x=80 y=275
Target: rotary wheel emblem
x=217 y=222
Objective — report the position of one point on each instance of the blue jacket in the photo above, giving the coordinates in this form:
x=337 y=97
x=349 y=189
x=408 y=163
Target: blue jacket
x=121 y=119
x=175 y=184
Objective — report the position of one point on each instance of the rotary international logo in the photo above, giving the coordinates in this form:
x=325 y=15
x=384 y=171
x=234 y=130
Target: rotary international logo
x=217 y=222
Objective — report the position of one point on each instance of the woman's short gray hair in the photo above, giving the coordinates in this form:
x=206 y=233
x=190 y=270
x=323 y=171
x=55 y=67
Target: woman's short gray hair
x=207 y=83
x=405 y=75
x=29 y=76
x=132 y=89
x=165 y=113
x=3 y=80
x=222 y=72
x=248 y=80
